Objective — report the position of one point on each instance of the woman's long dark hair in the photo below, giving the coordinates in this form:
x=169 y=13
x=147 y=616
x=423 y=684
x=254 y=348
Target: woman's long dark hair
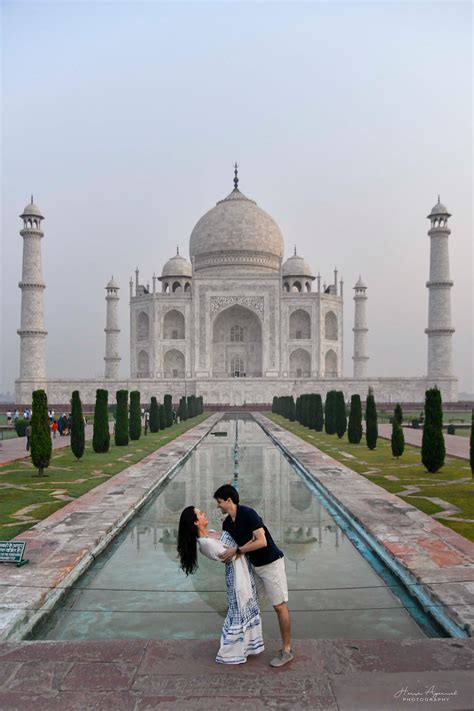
x=187 y=540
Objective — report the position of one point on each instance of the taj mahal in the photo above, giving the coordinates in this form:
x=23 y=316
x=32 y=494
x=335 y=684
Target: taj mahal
x=237 y=323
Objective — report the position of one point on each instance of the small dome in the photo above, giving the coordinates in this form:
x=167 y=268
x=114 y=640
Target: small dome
x=31 y=210
x=177 y=266
x=297 y=266
x=112 y=284
x=439 y=209
x=360 y=284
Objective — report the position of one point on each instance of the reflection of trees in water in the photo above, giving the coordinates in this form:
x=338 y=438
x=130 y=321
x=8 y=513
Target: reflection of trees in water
x=175 y=496
x=300 y=495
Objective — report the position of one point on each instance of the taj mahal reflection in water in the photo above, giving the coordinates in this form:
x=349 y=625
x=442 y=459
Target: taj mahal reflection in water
x=296 y=519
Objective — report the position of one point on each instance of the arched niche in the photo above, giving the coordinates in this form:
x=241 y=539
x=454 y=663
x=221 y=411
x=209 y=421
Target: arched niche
x=300 y=363
x=242 y=323
x=296 y=287
x=330 y=326
x=174 y=364
x=286 y=287
x=143 y=326
x=173 y=326
x=176 y=288
x=300 y=325
x=143 y=365
x=187 y=286
x=330 y=364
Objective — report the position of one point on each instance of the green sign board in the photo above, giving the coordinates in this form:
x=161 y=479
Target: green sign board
x=12 y=552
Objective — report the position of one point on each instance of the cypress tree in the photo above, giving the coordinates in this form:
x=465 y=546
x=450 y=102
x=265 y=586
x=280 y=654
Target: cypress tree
x=184 y=409
x=318 y=413
x=433 y=451
x=298 y=408
x=78 y=439
x=341 y=418
x=162 y=417
x=40 y=441
x=168 y=405
x=200 y=405
x=354 y=431
x=101 y=435
x=154 y=416
x=398 y=414
x=304 y=410
x=291 y=408
x=330 y=412
x=398 y=439
x=274 y=403
x=471 y=444
x=371 y=428
x=121 y=418
x=135 y=422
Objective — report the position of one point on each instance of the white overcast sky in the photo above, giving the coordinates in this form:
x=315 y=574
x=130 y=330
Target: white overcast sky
x=347 y=119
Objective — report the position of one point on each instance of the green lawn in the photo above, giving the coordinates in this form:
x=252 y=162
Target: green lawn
x=20 y=489
x=453 y=483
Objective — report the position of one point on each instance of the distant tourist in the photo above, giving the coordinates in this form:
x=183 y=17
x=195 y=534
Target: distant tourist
x=54 y=428
x=9 y=417
x=242 y=631
x=28 y=435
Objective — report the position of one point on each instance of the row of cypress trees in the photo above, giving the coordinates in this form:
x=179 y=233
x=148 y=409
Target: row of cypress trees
x=127 y=423
x=309 y=412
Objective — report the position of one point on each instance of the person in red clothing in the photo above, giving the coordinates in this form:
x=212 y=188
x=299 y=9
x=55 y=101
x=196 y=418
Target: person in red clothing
x=54 y=427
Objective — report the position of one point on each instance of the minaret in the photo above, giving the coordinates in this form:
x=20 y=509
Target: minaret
x=360 y=329
x=32 y=332
x=112 y=331
x=440 y=330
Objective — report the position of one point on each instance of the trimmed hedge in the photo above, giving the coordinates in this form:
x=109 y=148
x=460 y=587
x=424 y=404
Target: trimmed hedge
x=121 y=421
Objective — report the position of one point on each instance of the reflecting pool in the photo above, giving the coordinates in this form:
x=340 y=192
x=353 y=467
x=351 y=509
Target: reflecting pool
x=136 y=589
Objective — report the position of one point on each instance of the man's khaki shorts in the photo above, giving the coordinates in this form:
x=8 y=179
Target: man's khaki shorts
x=271 y=581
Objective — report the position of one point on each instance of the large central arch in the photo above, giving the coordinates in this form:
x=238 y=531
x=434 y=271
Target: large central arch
x=237 y=343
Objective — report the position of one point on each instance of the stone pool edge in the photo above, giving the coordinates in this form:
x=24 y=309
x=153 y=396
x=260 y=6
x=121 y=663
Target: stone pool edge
x=60 y=550
x=437 y=559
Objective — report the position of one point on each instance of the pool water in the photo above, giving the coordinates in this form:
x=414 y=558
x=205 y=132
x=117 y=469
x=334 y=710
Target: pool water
x=136 y=589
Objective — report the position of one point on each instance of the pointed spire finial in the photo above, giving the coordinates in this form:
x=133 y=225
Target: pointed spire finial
x=439 y=198
x=177 y=250
x=236 y=176
x=295 y=251
x=31 y=200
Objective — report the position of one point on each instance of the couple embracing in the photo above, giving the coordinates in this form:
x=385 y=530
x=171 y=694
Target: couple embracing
x=254 y=569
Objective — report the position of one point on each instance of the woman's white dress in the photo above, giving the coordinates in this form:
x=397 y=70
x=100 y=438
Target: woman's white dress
x=242 y=630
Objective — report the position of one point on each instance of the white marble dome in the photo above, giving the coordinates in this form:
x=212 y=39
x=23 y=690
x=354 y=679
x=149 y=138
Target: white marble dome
x=297 y=266
x=177 y=266
x=439 y=209
x=236 y=233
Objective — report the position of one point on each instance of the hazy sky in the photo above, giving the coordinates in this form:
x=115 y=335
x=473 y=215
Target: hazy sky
x=347 y=119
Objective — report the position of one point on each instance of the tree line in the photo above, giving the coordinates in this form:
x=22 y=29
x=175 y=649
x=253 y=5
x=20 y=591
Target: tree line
x=308 y=410
x=128 y=422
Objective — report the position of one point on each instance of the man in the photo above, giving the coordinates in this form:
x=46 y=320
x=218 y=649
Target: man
x=254 y=539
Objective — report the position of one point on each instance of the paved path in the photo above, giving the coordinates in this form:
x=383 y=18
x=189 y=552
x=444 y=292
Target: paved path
x=455 y=446
x=15 y=448
x=326 y=675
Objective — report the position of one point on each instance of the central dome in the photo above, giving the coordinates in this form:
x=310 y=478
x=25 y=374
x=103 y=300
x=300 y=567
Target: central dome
x=236 y=233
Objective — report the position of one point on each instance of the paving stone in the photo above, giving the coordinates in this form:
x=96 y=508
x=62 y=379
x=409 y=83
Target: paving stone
x=346 y=657
x=100 y=676
x=37 y=678
x=94 y=651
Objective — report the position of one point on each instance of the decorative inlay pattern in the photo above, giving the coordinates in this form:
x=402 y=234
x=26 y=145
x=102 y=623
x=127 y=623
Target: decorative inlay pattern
x=254 y=303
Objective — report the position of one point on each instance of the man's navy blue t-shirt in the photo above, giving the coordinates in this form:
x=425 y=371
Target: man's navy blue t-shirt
x=246 y=522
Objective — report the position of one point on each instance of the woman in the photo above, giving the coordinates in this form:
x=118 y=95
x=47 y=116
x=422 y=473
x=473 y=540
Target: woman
x=242 y=630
